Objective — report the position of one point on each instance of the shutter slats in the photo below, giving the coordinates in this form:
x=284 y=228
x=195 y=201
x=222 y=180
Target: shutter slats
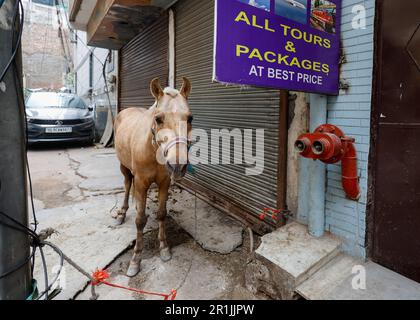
x=143 y=59
x=219 y=107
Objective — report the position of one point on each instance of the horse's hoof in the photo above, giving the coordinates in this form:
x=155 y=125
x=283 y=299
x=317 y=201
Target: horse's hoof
x=165 y=254
x=133 y=269
x=119 y=220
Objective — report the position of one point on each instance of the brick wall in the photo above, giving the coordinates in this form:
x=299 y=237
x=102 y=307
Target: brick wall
x=44 y=64
x=351 y=111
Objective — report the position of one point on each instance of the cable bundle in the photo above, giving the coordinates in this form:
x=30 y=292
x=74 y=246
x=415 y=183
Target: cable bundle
x=37 y=241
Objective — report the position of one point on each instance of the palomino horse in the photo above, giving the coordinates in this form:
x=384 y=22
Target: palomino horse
x=152 y=147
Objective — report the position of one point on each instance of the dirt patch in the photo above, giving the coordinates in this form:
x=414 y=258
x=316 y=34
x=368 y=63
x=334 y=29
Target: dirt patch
x=53 y=191
x=232 y=265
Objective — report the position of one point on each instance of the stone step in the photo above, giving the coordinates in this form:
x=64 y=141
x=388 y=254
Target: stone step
x=290 y=256
x=335 y=282
x=333 y=274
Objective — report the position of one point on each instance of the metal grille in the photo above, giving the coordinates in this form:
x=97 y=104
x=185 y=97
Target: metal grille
x=220 y=107
x=143 y=59
x=59 y=122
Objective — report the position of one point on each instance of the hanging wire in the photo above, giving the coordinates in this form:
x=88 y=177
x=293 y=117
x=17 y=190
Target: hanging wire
x=90 y=51
x=36 y=241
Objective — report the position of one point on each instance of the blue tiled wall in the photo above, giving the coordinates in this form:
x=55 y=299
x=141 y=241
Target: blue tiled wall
x=351 y=111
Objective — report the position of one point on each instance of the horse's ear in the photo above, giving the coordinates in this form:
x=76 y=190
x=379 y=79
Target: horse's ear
x=186 y=88
x=156 y=89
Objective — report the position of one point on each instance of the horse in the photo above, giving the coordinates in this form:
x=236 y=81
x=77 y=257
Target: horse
x=152 y=147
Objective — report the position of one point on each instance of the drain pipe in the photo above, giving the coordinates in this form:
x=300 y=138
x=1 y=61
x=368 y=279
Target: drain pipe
x=316 y=172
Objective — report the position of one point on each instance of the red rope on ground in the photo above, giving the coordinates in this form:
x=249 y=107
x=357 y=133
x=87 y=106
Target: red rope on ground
x=101 y=277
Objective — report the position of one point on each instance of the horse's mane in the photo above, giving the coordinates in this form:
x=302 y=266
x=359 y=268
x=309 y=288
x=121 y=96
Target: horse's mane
x=171 y=91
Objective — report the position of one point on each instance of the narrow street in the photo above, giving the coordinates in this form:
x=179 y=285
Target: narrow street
x=77 y=190
x=270 y=147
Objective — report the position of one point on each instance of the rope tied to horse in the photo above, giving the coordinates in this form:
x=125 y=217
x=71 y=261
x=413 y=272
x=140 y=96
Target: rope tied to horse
x=100 y=277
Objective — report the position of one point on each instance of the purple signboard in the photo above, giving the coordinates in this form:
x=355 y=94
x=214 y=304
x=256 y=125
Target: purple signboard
x=285 y=44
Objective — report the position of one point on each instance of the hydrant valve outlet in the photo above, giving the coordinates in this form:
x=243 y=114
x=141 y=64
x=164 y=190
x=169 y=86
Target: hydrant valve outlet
x=330 y=145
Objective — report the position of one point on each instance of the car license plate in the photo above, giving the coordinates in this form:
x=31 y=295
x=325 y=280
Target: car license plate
x=59 y=130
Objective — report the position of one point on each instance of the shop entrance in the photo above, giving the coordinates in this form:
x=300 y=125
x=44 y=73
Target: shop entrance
x=395 y=157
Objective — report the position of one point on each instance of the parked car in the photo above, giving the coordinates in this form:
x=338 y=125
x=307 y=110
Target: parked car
x=59 y=117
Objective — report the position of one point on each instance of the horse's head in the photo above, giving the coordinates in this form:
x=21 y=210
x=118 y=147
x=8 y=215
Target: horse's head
x=172 y=126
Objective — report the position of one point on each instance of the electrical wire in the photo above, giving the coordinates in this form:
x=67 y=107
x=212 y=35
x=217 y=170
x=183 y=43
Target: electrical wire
x=18 y=15
x=17 y=226
x=36 y=242
x=77 y=36
x=46 y=36
x=44 y=263
x=106 y=82
x=22 y=102
x=63 y=38
x=15 y=51
x=18 y=11
x=57 y=277
x=103 y=64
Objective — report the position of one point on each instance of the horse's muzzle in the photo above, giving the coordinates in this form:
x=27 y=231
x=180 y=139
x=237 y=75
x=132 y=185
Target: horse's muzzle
x=177 y=171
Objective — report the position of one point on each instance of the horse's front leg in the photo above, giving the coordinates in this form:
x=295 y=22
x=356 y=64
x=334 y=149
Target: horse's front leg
x=141 y=220
x=165 y=252
x=128 y=180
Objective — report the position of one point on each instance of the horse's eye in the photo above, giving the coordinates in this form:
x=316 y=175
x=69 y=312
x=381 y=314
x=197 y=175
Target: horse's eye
x=159 y=120
x=190 y=119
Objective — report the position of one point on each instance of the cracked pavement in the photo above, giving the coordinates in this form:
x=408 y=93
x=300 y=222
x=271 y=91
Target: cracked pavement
x=77 y=190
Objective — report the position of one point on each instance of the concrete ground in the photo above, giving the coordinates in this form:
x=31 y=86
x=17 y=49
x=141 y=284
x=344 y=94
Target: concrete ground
x=77 y=191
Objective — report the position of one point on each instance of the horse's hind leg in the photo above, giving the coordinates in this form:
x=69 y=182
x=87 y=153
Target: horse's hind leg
x=165 y=252
x=141 y=220
x=128 y=181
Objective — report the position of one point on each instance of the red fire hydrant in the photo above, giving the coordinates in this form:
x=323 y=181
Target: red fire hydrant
x=330 y=145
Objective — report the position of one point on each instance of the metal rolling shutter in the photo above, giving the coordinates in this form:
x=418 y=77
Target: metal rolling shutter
x=141 y=60
x=219 y=107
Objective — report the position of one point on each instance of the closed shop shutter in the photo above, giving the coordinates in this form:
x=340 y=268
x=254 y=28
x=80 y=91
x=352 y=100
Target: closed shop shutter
x=141 y=60
x=216 y=106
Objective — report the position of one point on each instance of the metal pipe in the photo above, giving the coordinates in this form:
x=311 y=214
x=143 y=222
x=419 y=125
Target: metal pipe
x=350 y=178
x=316 y=172
x=14 y=245
x=282 y=161
x=303 y=184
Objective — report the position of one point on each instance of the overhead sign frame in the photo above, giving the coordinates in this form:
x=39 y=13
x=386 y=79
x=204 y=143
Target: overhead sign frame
x=284 y=44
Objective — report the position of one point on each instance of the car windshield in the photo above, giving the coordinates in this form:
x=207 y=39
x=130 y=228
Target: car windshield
x=54 y=100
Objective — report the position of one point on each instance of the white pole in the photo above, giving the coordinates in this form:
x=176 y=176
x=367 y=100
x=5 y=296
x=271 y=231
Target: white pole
x=317 y=171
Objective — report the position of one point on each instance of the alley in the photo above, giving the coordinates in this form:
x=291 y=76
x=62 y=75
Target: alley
x=265 y=129
x=77 y=191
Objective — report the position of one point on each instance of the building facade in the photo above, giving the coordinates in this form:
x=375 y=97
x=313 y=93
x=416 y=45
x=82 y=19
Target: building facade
x=351 y=111
x=95 y=79
x=46 y=46
x=375 y=105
